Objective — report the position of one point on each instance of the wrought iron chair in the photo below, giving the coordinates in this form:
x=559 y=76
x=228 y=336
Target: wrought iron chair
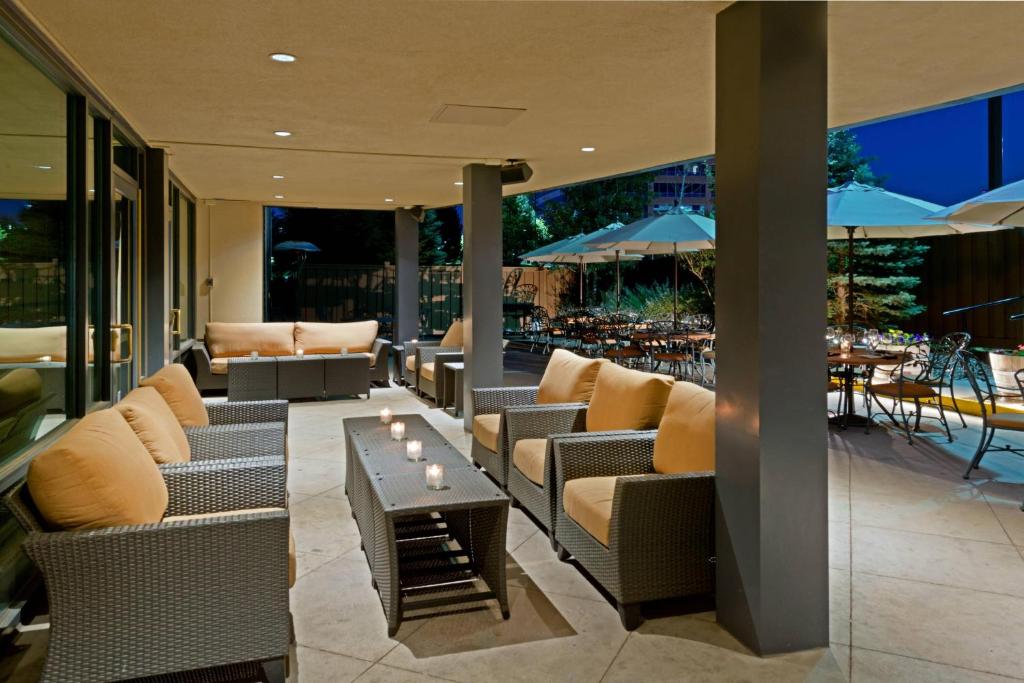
x=916 y=378
x=991 y=419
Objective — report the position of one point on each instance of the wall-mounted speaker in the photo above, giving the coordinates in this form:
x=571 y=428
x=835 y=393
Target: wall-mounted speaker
x=516 y=172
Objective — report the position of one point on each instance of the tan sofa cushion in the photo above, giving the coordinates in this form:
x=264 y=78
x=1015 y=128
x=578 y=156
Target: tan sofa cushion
x=177 y=388
x=241 y=339
x=97 y=475
x=18 y=388
x=485 y=430
x=30 y=344
x=528 y=457
x=410 y=363
x=219 y=366
x=568 y=378
x=155 y=424
x=627 y=399
x=427 y=372
x=453 y=337
x=372 y=357
x=686 y=434
x=357 y=337
x=588 y=502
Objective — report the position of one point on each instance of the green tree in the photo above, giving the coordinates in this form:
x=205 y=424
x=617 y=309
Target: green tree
x=522 y=229
x=589 y=206
x=432 y=251
x=883 y=269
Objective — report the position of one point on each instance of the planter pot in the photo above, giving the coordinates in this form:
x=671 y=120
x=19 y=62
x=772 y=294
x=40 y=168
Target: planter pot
x=1004 y=365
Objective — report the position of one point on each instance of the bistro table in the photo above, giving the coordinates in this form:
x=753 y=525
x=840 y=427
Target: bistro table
x=858 y=357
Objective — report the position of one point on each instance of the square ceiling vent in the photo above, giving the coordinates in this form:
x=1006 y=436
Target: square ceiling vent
x=471 y=115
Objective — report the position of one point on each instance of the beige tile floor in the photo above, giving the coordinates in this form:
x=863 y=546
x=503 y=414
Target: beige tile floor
x=927 y=580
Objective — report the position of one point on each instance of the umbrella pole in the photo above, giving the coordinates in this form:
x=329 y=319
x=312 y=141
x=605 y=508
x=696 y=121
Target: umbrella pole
x=849 y=273
x=675 y=292
x=580 y=272
x=618 y=282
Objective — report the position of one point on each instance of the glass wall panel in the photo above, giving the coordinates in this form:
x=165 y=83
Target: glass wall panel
x=33 y=252
x=124 y=283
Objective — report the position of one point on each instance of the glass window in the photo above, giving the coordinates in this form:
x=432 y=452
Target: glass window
x=33 y=252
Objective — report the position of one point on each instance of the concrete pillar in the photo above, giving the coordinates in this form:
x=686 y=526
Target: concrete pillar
x=407 y=277
x=481 y=280
x=772 y=469
x=155 y=263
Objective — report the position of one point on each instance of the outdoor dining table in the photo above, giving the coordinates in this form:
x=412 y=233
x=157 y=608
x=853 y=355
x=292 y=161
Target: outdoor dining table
x=858 y=357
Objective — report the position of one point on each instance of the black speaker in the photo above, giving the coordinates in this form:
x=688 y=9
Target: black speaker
x=417 y=212
x=518 y=172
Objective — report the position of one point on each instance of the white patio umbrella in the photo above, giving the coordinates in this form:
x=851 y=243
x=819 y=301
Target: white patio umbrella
x=1002 y=207
x=858 y=211
x=668 y=233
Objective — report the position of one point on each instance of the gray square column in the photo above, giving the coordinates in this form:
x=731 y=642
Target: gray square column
x=772 y=457
x=481 y=280
x=406 y=321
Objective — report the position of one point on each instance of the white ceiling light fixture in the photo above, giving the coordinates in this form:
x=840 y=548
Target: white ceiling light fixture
x=388 y=200
x=458 y=183
x=44 y=167
x=587 y=149
x=282 y=57
x=277 y=177
x=283 y=133
x=278 y=196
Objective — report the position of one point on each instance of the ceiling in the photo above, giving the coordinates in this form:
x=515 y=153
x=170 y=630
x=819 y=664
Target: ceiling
x=635 y=80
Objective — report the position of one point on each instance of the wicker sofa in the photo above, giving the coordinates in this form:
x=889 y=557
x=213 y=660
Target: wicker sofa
x=424 y=360
x=623 y=401
x=155 y=569
x=223 y=341
x=636 y=510
x=568 y=378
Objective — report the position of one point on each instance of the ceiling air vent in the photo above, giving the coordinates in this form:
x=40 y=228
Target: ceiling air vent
x=470 y=115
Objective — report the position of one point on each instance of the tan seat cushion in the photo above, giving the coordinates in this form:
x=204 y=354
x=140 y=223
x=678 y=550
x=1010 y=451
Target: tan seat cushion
x=18 y=388
x=528 y=457
x=229 y=513
x=97 y=475
x=29 y=344
x=686 y=433
x=410 y=363
x=177 y=388
x=1013 y=421
x=372 y=357
x=453 y=337
x=155 y=424
x=568 y=378
x=910 y=390
x=357 y=337
x=427 y=372
x=219 y=366
x=627 y=399
x=240 y=339
x=485 y=430
x=588 y=502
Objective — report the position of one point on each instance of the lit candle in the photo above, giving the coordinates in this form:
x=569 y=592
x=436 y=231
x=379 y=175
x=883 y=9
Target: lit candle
x=435 y=476
x=413 y=450
x=397 y=431
x=254 y=354
x=344 y=350
x=300 y=352
x=385 y=415
x=45 y=359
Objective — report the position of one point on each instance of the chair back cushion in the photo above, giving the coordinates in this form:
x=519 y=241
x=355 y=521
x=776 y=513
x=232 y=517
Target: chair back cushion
x=453 y=337
x=179 y=391
x=568 y=378
x=30 y=344
x=232 y=340
x=627 y=399
x=97 y=475
x=686 y=435
x=18 y=388
x=357 y=337
x=155 y=424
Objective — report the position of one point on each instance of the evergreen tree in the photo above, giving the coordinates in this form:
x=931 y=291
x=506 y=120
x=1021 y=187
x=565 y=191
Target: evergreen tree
x=589 y=206
x=522 y=230
x=432 y=251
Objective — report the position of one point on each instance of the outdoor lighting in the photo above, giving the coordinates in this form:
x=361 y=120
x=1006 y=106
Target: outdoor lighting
x=300 y=352
x=44 y=167
x=282 y=133
x=277 y=177
x=458 y=183
x=844 y=348
x=282 y=57
x=397 y=431
x=389 y=199
x=344 y=350
x=385 y=416
x=254 y=354
x=435 y=476
x=413 y=450
x=278 y=196
x=587 y=149
x=45 y=359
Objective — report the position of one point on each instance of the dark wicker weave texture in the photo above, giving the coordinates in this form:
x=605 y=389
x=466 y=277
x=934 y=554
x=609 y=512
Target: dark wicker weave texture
x=203 y=487
x=241 y=412
x=489 y=402
x=251 y=440
x=438 y=355
x=252 y=379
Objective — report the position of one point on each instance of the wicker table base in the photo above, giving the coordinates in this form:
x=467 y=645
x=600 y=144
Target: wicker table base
x=426 y=548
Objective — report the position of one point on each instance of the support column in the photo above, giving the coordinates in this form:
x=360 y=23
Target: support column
x=407 y=277
x=155 y=264
x=481 y=280
x=772 y=467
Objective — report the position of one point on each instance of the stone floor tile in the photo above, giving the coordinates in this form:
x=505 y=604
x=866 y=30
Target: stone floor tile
x=880 y=667
x=316 y=666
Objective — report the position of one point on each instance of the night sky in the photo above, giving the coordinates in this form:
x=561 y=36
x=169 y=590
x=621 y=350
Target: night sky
x=940 y=156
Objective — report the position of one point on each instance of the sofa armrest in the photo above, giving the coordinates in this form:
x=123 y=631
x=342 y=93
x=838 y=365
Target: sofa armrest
x=380 y=350
x=243 y=483
x=540 y=422
x=242 y=412
x=249 y=440
x=494 y=400
x=603 y=454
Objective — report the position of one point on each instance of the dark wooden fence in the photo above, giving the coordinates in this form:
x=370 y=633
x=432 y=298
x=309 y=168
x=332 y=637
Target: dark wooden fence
x=32 y=293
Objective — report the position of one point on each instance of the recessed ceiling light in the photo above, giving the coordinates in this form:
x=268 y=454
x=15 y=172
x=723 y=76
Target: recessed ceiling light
x=587 y=149
x=388 y=199
x=43 y=167
x=282 y=133
x=278 y=196
x=277 y=177
x=459 y=183
x=282 y=57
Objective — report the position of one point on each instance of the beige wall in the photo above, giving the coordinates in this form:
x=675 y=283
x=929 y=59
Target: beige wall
x=234 y=231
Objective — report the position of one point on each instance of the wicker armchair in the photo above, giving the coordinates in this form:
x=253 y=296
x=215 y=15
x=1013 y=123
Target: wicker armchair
x=430 y=361
x=489 y=407
x=179 y=595
x=661 y=536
